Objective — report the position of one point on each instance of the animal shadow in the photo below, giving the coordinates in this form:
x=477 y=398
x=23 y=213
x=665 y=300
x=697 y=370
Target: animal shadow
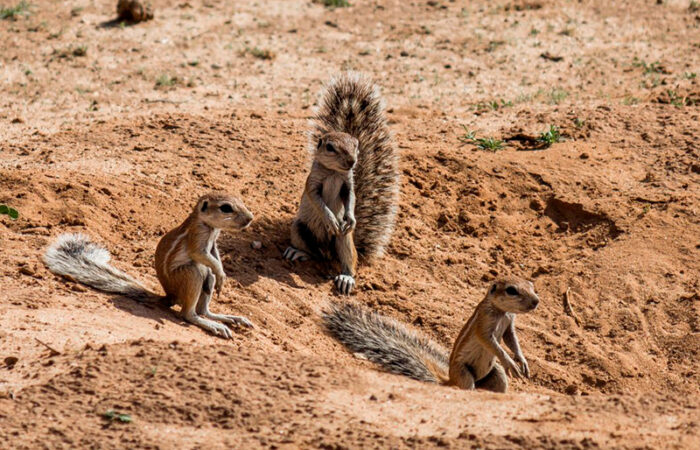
x=246 y=264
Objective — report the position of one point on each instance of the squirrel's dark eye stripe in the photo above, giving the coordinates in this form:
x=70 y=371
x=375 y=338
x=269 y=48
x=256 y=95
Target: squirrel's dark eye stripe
x=226 y=208
x=510 y=290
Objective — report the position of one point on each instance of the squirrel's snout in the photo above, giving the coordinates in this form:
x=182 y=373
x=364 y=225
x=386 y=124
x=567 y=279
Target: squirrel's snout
x=534 y=302
x=245 y=221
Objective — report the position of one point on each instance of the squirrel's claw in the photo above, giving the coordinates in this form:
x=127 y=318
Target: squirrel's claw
x=293 y=254
x=345 y=284
x=237 y=320
x=524 y=368
x=513 y=369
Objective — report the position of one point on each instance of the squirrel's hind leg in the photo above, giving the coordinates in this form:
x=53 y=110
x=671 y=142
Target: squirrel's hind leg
x=302 y=242
x=203 y=305
x=463 y=379
x=189 y=292
x=495 y=381
x=345 y=248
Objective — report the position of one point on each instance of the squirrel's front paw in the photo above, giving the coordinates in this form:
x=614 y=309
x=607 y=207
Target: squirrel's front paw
x=345 y=284
x=332 y=225
x=512 y=368
x=219 y=284
x=348 y=225
x=524 y=368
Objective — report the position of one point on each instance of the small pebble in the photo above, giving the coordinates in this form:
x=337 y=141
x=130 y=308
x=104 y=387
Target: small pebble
x=10 y=361
x=257 y=245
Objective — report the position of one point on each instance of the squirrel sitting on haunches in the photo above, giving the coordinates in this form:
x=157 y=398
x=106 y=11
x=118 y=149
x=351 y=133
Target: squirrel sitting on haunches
x=350 y=198
x=477 y=359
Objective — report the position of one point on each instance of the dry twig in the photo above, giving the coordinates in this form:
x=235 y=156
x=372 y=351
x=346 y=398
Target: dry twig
x=568 y=309
x=53 y=351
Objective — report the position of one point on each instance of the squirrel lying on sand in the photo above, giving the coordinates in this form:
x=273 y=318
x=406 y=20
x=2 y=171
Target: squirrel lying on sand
x=477 y=359
x=350 y=197
x=187 y=263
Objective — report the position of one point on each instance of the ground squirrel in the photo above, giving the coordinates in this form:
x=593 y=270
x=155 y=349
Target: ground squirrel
x=477 y=359
x=187 y=263
x=350 y=197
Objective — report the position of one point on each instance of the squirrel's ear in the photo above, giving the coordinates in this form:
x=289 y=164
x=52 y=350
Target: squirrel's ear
x=205 y=205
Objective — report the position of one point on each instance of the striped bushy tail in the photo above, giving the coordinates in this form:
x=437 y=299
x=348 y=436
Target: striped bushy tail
x=351 y=103
x=386 y=342
x=76 y=257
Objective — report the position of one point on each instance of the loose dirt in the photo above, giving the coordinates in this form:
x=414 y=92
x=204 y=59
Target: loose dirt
x=115 y=131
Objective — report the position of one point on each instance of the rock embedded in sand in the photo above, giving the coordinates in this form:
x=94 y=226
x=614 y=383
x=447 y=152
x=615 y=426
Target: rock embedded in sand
x=10 y=361
x=134 y=10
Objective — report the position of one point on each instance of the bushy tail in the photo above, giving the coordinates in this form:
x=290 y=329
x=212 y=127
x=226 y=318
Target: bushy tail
x=386 y=342
x=76 y=257
x=351 y=103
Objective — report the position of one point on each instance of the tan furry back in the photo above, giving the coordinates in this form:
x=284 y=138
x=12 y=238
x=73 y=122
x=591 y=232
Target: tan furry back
x=351 y=103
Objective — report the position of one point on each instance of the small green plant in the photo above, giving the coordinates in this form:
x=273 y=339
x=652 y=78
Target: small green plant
x=690 y=75
x=6 y=210
x=557 y=95
x=490 y=144
x=166 y=80
x=468 y=136
x=551 y=136
x=13 y=12
x=259 y=53
x=493 y=105
x=654 y=67
x=113 y=415
x=694 y=6
x=80 y=50
x=630 y=100
x=334 y=3
x=493 y=45
x=678 y=101
x=579 y=122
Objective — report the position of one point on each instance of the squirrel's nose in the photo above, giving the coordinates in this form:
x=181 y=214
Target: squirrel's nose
x=535 y=301
x=247 y=220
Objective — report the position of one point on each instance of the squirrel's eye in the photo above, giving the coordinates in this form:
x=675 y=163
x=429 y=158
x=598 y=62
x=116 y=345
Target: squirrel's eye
x=330 y=148
x=510 y=290
x=226 y=208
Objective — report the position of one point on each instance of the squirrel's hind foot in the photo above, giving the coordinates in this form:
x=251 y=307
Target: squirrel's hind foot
x=215 y=328
x=236 y=320
x=294 y=254
x=345 y=284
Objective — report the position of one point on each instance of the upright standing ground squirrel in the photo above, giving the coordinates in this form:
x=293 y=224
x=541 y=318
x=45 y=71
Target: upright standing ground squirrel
x=187 y=262
x=350 y=197
x=477 y=359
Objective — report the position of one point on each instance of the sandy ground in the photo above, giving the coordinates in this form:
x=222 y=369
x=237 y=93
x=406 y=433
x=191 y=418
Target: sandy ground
x=116 y=130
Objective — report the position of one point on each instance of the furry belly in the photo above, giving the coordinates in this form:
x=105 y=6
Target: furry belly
x=479 y=360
